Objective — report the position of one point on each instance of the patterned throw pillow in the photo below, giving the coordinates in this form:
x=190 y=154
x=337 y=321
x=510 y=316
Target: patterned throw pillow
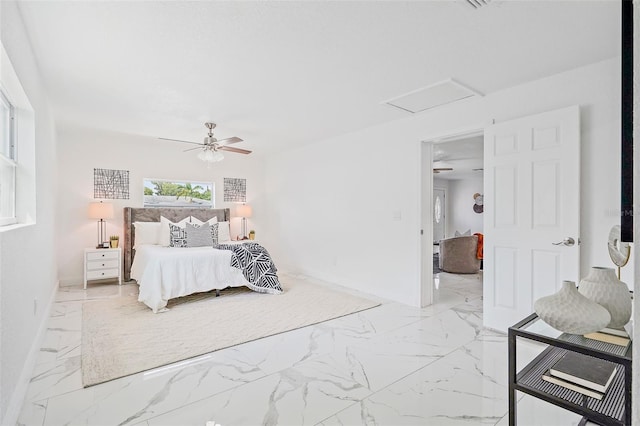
x=177 y=236
x=214 y=234
x=199 y=235
x=165 y=233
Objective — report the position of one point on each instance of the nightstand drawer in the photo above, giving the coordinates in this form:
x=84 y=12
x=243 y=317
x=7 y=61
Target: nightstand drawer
x=103 y=255
x=102 y=264
x=103 y=273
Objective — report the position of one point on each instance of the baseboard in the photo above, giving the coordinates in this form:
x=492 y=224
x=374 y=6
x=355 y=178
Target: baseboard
x=17 y=399
x=68 y=282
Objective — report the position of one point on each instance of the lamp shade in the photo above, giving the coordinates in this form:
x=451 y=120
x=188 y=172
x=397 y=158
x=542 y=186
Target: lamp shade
x=244 y=210
x=100 y=210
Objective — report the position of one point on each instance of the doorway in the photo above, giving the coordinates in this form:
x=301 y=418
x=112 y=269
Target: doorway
x=452 y=176
x=532 y=207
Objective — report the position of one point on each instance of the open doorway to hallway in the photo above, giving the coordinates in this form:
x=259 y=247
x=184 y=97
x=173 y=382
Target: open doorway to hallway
x=458 y=228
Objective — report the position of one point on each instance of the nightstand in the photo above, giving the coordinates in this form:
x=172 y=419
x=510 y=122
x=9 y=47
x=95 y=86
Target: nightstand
x=102 y=264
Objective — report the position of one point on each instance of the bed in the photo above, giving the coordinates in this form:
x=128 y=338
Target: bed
x=164 y=272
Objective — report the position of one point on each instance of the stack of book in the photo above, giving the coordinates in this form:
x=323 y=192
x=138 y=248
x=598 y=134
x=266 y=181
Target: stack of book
x=611 y=335
x=581 y=373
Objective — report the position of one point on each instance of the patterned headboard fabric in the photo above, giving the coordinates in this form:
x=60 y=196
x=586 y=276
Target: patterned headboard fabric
x=153 y=214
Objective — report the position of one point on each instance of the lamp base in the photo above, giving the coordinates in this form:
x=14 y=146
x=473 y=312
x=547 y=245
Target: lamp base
x=102 y=234
x=244 y=229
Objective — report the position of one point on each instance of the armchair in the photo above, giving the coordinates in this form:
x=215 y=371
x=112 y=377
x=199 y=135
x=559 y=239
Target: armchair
x=459 y=255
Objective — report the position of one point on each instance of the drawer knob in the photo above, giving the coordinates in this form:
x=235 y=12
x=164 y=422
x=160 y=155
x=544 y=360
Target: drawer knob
x=103 y=264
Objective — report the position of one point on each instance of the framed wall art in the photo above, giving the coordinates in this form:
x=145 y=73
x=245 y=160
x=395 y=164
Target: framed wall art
x=111 y=184
x=178 y=193
x=235 y=190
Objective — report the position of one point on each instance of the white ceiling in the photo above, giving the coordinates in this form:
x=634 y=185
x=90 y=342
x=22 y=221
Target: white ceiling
x=464 y=155
x=280 y=74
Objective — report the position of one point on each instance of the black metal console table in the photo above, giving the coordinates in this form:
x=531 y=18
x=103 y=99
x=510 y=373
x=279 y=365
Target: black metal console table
x=615 y=406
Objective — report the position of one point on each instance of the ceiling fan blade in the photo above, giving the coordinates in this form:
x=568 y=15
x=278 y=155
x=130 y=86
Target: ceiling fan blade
x=229 y=141
x=191 y=149
x=238 y=150
x=178 y=140
x=442 y=169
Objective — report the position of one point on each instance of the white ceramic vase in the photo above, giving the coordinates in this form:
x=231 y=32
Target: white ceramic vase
x=571 y=312
x=603 y=287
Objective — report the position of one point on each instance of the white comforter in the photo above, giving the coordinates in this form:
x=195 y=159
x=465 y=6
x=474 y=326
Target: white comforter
x=165 y=272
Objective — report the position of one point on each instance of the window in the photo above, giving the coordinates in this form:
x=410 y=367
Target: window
x=7 y=161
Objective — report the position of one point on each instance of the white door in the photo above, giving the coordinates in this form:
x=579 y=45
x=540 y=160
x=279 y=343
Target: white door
x=532 y=212
x=438 y=214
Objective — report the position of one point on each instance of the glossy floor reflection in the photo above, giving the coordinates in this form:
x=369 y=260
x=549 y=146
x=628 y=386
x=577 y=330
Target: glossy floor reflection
x=390 y=365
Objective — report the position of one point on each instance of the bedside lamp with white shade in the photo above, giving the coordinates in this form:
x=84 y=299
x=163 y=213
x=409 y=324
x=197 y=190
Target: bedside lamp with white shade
x=244 y=211
x=101 y=211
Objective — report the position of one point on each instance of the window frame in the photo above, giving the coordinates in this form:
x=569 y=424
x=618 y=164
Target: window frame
x=10 y=162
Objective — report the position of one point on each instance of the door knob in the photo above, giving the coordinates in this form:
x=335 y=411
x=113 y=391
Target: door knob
x=566 y=242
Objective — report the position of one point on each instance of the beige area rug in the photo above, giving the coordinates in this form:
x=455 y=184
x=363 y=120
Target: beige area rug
x=123 y=336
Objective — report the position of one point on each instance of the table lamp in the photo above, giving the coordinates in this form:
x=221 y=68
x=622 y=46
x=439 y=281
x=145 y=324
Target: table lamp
x=101 y=211
x=244 y=211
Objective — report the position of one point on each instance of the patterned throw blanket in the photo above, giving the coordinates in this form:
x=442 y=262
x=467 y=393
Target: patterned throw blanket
x=256 y=265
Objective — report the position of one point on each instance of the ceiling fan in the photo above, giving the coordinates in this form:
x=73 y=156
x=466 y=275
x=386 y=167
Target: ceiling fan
x=210 y=148
x=442 y=169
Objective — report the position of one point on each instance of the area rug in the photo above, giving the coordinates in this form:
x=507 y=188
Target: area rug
x=122 y=336
x=436 y=263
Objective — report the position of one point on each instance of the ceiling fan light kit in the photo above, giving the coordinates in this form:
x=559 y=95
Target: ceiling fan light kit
x=210 y=147
x=210 y=156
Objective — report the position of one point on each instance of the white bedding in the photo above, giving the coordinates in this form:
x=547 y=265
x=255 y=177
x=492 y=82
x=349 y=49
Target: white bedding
x=167 y=272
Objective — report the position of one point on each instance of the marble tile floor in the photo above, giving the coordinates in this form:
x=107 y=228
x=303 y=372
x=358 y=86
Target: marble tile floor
x=389 y=365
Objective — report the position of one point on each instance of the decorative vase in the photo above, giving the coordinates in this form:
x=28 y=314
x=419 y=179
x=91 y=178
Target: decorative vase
x=603 y=287
x=114 y=243
x=571 y=312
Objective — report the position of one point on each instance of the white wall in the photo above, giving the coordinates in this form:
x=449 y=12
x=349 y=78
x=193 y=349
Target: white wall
x=346 y=209
x=27 y=253
x=461 y=215
x=441 y=183
x=82 y=150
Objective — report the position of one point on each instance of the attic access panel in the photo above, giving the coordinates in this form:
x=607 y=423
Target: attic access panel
x=438 y=94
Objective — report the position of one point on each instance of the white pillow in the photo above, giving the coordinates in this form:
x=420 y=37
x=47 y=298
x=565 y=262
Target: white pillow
x=165 y=234
x=197 y=221
x=147 y=233
x=464 y=234
x=223 y=232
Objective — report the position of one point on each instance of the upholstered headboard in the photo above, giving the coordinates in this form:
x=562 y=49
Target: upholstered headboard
x=132 y=215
